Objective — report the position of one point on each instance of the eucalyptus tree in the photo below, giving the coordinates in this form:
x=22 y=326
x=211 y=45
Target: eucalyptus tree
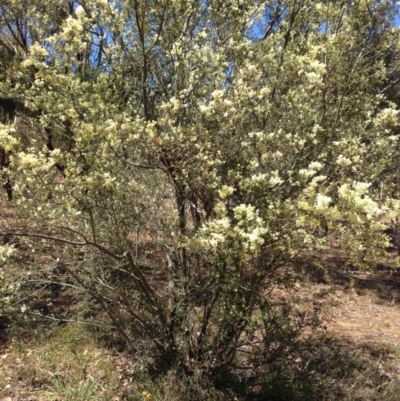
x=197 y=149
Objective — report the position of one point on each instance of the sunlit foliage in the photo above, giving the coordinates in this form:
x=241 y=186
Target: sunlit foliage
x=195 y=148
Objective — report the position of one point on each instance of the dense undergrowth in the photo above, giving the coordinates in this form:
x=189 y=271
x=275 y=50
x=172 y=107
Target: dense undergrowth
x=53 y=355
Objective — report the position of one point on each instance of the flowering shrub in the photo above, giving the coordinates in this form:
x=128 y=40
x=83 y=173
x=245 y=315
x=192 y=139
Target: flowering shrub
x=200 y=145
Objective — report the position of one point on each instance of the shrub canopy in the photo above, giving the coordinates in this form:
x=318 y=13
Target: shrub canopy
x=193 y=148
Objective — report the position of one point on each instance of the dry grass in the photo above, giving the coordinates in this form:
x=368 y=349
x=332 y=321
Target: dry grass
x=357 y=356
x=360 y=357
x=60 y=363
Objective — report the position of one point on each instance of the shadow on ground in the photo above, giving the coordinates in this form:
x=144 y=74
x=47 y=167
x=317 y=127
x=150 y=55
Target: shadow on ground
x=331 y=369
x=383 y=281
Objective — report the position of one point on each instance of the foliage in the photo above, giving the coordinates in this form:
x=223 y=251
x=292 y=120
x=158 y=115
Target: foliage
x=182 y=153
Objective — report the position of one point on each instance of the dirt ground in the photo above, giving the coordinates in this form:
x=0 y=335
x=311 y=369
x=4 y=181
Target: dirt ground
x=365 y=306
x=357 y=308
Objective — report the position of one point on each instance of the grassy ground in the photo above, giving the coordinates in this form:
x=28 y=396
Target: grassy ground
x=354 y=356
x=359 y=352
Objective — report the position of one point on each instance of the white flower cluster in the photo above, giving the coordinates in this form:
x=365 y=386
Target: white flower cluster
x=217 y=104
x=250 y=227
x=215 y=233
x=275 y=179
x=322 y=202
x=226 y=191
x=387 y=117
x=245 y=234
x=5 y=252
x=72 y=27
x=356 y=194
x=7 y=139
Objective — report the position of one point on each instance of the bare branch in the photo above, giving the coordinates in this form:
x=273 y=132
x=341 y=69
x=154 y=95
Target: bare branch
x=66 y=241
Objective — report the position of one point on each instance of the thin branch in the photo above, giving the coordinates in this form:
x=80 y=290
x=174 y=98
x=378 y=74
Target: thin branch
x=10 y=50
x=47 y=237
x=100 y=299
x=68 y=242
x=13 y=33
x=72 y=231
x=142 y=280
x=92 y=225
x=390 y=86
x=54 y=319
x=160 y=27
